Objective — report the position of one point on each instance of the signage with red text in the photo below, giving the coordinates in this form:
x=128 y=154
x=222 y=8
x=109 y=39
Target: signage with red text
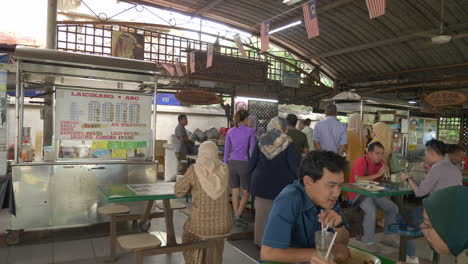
x=102 y=116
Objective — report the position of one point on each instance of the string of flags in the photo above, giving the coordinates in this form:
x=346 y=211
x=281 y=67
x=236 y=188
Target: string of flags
x=376 y=9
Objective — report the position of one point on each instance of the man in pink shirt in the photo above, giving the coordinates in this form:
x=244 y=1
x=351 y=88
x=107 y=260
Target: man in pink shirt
x=372 y=168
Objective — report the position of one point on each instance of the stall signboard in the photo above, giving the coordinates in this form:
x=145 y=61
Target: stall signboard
x=115 y=125
x=291 y=79
x=368 y=119
x=167 y=99
x=387 y=116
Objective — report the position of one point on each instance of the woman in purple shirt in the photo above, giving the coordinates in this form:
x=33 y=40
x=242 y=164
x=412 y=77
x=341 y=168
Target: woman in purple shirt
x=240 y=142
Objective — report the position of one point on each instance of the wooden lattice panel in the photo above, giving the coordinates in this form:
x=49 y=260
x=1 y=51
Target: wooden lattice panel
x=449 y=123
x=264 y=111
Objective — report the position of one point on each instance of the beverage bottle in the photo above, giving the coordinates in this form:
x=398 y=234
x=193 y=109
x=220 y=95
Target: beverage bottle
x=26 y=151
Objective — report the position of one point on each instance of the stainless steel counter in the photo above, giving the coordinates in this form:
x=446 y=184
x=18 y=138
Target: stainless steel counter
x=64 y=194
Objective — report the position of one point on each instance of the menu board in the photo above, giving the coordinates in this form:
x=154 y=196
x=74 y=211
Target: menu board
x=110 y=125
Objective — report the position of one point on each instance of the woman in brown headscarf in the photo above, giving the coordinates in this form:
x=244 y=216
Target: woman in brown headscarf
x=208 y=183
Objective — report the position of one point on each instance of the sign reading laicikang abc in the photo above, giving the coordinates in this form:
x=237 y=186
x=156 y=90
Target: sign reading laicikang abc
x=97 y=115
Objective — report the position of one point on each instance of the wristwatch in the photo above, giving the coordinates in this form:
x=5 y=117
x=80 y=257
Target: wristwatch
x=407 y=179
x=340 y=225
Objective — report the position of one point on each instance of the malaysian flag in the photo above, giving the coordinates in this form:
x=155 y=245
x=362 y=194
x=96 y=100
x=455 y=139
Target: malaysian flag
x=310 y=19
x=238 y=42
x=264 y=36
x=169 y=68
x=376 y=8
x=178 y=67
x=209 y=56
x=192 y=61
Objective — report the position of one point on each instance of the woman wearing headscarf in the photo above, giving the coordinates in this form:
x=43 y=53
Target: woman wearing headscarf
x=208 y=182
x=274 y=165
x=356 y=141
x=445 y=218
x=381 y=133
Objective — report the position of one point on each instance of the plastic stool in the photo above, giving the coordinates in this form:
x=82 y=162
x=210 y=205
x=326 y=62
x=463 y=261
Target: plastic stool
x=406 y=232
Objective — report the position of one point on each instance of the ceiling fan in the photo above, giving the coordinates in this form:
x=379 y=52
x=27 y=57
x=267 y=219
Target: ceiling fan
x=443 y=37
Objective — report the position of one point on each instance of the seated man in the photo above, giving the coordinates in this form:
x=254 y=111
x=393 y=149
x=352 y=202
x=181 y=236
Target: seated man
x=372 y=168
x=303 y=207
x=456 y=154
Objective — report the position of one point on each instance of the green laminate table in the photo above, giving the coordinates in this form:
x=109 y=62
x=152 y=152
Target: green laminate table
x=382 y=259
x=383 y=193
x=465 y=179
x=348 y=187
x=119 y=193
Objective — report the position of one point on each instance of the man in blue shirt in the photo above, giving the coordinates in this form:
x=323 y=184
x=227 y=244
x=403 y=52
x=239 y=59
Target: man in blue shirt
x=330 y=134
x=303 y=207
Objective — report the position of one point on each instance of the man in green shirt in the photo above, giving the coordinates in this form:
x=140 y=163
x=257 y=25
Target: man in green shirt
x=299 y=138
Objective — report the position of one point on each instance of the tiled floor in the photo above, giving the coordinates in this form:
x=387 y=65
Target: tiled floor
x=95 y=251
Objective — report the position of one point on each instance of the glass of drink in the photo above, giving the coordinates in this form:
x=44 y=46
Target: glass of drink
x=322 y=243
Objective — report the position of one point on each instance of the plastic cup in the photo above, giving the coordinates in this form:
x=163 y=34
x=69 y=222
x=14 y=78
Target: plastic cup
x=322 y=243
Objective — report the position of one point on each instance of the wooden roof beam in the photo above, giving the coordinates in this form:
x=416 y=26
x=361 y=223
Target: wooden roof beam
x=207 y=8
x=386 y=42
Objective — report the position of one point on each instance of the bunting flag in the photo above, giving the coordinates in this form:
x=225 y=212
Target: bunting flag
x=192 y=62
x=376 y=8
x=238 y=42
x=178 y=67
x=209 y=56
x=310 y=19
x=264 y=36
x=169 y=68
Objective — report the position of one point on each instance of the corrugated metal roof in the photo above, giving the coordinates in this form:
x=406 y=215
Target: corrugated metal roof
x=350 y=46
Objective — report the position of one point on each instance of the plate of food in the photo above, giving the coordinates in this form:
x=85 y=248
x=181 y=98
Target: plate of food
x=373 y=188
x=365 y=182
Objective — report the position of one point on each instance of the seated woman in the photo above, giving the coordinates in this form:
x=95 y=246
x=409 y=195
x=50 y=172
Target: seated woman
x=208 y=183
x=445 y=218
x=274 y=165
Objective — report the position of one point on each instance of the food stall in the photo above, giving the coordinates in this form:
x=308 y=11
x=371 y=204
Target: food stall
x=104 y=120
x=410 y=133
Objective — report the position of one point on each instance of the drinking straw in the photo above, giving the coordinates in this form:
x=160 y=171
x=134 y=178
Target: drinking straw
x=331 y=245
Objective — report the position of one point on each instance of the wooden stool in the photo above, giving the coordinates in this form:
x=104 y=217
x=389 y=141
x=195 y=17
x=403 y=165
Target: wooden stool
x=138 y=243
x=174 y=205
x=113 y=210
x=210 y=250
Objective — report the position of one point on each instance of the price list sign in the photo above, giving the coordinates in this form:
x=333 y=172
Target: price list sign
x=111 y=120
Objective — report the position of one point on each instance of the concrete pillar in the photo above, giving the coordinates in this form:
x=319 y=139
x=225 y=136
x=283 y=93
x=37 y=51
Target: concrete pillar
x=51 y=43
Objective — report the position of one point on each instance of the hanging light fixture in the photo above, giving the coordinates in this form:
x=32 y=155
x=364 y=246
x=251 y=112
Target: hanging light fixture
x=295 y=23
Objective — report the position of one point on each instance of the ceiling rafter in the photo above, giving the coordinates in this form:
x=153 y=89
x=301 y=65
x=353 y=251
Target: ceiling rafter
x=207 y=8
x=385 y=42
